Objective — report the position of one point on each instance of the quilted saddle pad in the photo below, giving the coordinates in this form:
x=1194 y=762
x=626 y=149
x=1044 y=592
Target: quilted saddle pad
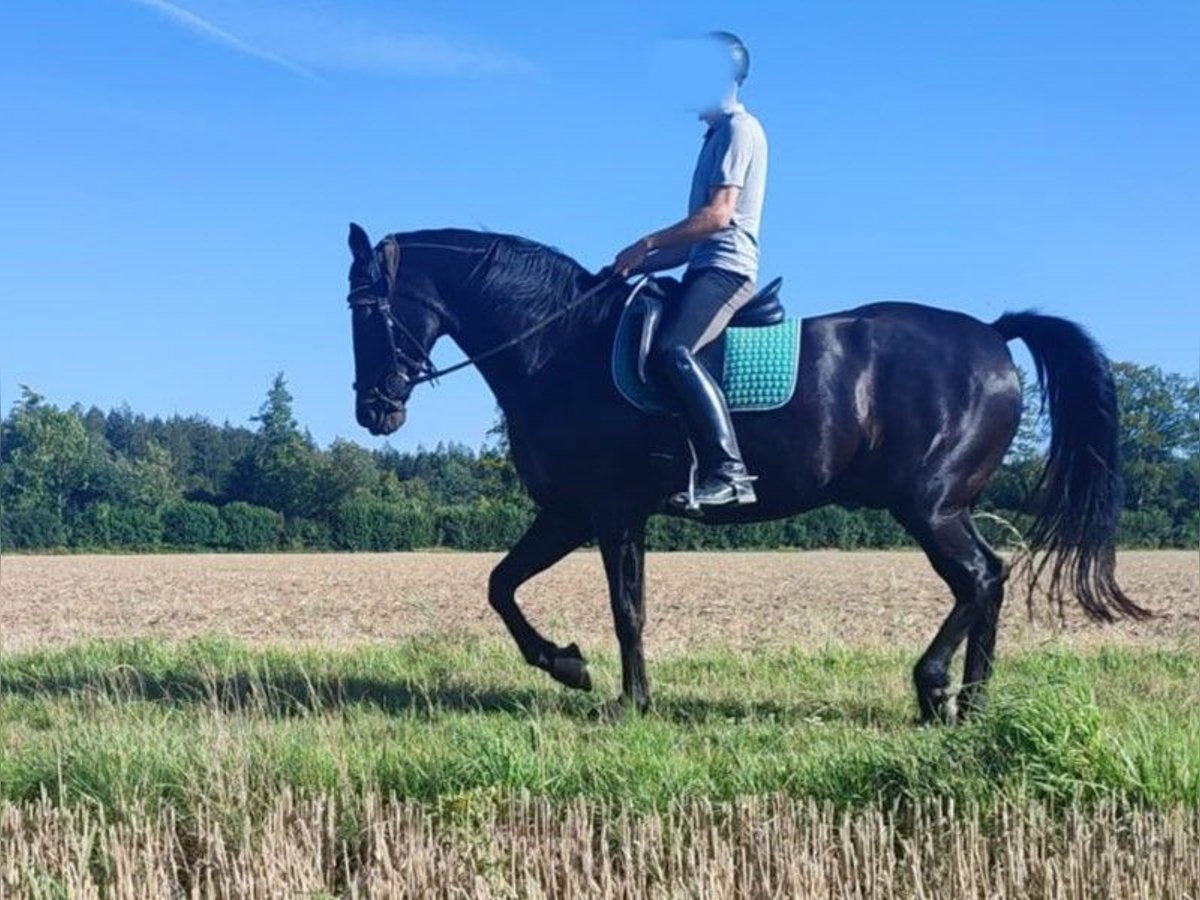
x=756 y=367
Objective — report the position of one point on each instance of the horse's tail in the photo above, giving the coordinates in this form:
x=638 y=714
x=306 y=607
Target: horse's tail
x=1079 y=491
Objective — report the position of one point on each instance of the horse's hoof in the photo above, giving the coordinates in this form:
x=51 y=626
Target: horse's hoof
x=971 y=703
x=935 y=697
x=618 y=709
x=939 y=707
x=607 y=712
x=570 y=668
x=639 y=705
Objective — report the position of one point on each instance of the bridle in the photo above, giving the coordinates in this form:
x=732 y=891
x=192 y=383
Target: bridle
x=368 y=296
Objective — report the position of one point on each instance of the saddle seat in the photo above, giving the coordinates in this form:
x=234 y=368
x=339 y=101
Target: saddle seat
x=762 y=309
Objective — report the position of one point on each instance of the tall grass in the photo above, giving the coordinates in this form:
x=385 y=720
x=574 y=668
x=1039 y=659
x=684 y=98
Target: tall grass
x=115 y=723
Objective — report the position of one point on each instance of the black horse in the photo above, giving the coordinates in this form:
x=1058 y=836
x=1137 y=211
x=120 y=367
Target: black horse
x=898 y=406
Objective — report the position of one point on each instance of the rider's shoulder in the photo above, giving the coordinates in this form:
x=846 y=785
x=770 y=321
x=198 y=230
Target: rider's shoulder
x=744 y=122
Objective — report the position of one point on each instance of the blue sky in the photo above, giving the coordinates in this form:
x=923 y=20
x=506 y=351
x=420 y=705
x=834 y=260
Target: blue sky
x=177 y=178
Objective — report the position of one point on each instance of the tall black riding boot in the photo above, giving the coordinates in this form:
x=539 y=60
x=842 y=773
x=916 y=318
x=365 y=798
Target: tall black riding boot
x=722 y=478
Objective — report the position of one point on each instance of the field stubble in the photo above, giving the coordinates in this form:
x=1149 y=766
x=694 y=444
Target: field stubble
x=756 y=847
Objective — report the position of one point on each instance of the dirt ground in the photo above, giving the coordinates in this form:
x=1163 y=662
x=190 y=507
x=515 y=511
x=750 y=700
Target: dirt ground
x=738 y=600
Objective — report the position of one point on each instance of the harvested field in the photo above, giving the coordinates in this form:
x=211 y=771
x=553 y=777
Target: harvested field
x=730 y=600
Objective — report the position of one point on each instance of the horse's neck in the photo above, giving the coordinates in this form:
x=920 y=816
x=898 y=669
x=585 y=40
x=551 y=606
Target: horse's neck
x=572 y=341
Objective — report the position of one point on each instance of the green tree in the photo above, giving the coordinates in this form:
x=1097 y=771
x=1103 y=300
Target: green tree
x=344 y=470
x=250 y=528
x=1160 y=449
x=48 y=462
x=1160 y=413
x=149 y=481
x=363 y=522
x=280 y=470
x=194 y=525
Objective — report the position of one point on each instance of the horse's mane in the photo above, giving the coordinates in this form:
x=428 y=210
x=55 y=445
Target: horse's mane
x=533 y=276
x=522 y=282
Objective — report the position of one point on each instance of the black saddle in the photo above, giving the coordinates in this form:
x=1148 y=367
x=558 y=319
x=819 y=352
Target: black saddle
x=763 y=308
x=760 y=310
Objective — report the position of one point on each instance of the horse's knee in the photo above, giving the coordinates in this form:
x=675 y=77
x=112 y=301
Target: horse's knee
x=502 y=587
x=1001 y=570
x=998 y=569
x=502 y=595
x=989 y=594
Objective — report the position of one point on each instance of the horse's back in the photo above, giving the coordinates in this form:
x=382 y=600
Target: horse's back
x=897 y=342
x=914 y=323
x=895 y=387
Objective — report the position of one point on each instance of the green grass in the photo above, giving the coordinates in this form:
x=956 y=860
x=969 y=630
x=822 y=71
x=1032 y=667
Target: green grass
x=206 y=723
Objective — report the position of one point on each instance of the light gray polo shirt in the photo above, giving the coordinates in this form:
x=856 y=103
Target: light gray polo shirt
x=734 y=153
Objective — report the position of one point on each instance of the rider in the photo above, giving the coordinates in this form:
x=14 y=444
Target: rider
x=719 y=242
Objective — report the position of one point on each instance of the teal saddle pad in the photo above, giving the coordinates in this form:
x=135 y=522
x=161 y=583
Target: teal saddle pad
x=756 y=367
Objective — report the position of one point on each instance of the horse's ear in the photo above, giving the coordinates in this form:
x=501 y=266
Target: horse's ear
x=360 y=244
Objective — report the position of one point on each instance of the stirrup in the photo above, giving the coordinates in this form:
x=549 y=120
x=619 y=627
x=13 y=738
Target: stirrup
x=742 y=487
x=741 y=494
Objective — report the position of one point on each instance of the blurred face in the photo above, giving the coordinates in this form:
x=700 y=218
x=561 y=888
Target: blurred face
x=696 y=74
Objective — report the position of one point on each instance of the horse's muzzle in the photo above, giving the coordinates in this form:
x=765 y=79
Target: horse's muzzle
x=380 y=418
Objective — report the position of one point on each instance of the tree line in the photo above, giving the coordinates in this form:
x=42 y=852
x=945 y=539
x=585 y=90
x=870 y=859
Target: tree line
x=86 y=479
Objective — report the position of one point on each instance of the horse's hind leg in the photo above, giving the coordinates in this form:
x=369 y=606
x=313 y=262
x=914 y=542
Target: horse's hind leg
x=551 y=537
x=981 y=639
x=949 y=540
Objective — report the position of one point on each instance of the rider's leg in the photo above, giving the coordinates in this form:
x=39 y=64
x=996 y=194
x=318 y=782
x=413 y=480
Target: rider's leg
x=722 y=476
x=710 y=298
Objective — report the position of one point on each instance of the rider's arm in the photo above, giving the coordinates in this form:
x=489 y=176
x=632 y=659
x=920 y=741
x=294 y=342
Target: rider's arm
x=661 y=260
x=709 y=219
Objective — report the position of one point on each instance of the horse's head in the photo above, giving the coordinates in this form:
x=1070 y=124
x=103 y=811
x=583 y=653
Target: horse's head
x=394 y=327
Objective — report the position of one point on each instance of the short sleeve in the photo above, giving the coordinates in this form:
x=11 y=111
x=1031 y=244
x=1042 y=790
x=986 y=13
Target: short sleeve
x=734 y=155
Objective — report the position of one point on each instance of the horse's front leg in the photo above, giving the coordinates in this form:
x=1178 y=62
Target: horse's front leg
x=623 y=546
x=551 y=537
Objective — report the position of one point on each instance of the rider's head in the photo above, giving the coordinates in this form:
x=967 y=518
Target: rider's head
x=725 y=65
x=736 y=55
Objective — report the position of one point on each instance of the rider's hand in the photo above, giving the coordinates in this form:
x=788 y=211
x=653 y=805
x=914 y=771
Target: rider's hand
x=629 y=259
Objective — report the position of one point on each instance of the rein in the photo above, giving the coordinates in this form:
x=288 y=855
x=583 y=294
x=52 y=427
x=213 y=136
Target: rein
x=364 y=296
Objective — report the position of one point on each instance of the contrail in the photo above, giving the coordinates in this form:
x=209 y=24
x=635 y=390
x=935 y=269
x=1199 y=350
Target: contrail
x=204 y=28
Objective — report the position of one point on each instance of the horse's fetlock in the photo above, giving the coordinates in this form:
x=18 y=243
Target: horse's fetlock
x=540 y=657
x=931 y=676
